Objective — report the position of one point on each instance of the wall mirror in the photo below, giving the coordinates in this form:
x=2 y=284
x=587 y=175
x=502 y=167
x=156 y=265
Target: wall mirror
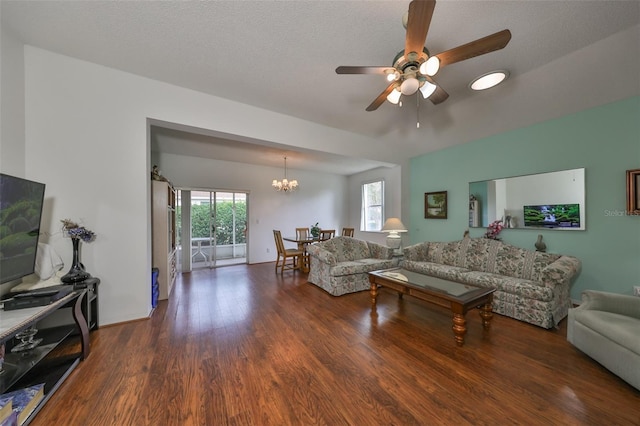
x=554 y=200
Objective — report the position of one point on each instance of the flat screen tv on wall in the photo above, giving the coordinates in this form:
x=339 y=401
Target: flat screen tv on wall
x=21 y=203
x=552 y=216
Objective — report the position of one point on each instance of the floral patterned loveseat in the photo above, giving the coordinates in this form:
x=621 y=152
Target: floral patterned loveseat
x=341 y=265
x=530 y=286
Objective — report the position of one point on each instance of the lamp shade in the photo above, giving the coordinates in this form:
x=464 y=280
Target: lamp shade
x=393 y=224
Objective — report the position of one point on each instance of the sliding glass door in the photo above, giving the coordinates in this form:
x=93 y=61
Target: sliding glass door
x=218 y=222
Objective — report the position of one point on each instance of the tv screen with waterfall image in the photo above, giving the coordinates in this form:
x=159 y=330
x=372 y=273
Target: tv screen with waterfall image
x=21 y=203
x=552 y=216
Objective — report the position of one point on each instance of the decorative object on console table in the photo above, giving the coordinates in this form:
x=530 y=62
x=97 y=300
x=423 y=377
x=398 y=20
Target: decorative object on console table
x=435 y=205
x=633 y=192
x=77 y=233
x=27 y=341
x=540 y=245
x=494 y=229
x=25 y=400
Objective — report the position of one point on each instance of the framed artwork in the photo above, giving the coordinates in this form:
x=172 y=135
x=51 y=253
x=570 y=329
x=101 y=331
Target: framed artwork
x=633 y=192
x=435 y=205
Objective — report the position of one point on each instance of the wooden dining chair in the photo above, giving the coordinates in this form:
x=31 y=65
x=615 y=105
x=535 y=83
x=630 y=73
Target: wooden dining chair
x=283 y=254
x=302 y=233
x=326 y=234
x=347 y=232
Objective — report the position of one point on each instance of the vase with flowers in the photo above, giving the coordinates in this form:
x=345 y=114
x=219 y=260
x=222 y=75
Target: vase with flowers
x=77 y=234
x=494 y=229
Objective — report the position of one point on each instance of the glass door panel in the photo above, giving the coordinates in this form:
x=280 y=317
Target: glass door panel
x=218 y=223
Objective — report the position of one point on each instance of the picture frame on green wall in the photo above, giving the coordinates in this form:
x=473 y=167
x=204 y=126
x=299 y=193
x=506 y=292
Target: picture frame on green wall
x=435 y=205
x=633 y=192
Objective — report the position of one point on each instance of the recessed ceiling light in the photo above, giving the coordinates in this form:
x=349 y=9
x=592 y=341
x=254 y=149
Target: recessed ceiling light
x=489 y=80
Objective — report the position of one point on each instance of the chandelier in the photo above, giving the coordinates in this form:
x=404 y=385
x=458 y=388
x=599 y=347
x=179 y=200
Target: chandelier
x=285 y=184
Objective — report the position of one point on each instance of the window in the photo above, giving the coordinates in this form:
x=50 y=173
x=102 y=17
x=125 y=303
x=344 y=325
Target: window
x=372 y=206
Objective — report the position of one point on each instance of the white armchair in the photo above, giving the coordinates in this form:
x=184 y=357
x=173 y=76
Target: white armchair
x=606 y=326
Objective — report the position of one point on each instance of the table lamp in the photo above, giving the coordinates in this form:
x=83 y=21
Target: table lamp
x=393 y=226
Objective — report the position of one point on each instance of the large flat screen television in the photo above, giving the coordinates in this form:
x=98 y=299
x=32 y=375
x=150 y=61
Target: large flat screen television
x=20 y=213
x=552 y=216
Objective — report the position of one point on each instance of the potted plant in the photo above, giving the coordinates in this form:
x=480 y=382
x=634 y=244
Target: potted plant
x=315 y=230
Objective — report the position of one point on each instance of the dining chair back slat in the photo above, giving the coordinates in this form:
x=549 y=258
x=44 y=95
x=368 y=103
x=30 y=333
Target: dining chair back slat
x=326 y=234
x=347 y=232
x=302 y=233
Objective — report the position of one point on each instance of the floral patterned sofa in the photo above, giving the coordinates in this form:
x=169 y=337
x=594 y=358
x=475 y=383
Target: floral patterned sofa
x=341 y=265
x=530 y=286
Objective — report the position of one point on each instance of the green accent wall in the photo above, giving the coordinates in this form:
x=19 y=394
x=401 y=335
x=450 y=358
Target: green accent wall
x=604 y=140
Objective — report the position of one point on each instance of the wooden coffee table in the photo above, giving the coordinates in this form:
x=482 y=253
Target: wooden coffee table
x=450 y=294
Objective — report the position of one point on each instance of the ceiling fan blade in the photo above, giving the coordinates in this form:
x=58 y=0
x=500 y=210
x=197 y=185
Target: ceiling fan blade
x=418 y=21
x=438 y=96
x=475 y=48
x=362 y=70
x=381 y=98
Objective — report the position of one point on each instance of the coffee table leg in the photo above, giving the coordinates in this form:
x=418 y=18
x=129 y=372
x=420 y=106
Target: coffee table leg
x=374 y=292
x=486 y=314
x=459 y=328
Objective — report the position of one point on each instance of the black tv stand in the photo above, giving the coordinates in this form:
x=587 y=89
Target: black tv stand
x=44 y=364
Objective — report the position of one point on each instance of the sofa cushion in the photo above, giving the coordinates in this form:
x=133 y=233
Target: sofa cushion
x=359 y=266
x=348 y=267
x=475 y=253
x=445 y=253
x=513 y=262
x=346 y=249
x=435 y=269
x=527 y=288
x=375 y=264
x=487 y=255
x=621 y=329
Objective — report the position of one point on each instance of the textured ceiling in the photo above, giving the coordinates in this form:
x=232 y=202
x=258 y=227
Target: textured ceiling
x=282 y=55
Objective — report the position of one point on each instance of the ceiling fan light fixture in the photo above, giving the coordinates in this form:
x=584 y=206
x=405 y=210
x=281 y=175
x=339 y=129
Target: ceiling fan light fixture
x=394 y=96
x=489 y=80
x=392 y=75
x=430 y=67
x=409 y=86
x=427 y=89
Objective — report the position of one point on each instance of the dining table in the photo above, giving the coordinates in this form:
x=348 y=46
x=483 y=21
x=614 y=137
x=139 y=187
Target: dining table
x=302 y=243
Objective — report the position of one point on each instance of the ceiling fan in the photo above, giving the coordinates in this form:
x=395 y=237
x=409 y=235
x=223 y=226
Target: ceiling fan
x=414 y=67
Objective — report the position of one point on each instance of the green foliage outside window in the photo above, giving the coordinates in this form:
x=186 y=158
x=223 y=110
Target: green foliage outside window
x=200 y=214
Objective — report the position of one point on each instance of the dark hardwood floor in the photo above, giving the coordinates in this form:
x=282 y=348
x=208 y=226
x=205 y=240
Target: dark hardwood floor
x=241 y=345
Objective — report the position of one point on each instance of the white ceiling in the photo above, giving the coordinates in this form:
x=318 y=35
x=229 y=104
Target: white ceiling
x=282 y=55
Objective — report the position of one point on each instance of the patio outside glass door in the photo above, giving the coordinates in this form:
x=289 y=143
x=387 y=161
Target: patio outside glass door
x=218 y=228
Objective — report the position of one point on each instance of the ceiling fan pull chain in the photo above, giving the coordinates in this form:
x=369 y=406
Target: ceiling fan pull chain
x=417 y=112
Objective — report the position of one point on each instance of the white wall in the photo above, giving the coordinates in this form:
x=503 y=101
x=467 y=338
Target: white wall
x=87 y=138
x=321 y=198
x=392 y=196
x=12 y=148
x=11 y=105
